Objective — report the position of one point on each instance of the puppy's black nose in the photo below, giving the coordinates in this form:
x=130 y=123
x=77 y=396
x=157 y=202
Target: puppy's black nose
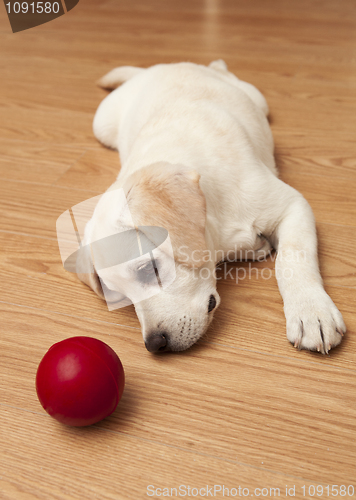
x=156 y=342
x=212 y=303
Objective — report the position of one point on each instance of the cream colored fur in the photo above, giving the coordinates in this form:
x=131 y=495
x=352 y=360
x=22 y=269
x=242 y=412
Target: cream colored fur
x=197 y=158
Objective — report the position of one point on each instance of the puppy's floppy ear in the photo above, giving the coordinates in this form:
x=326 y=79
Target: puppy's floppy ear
x=169 y=196
x=86 y=271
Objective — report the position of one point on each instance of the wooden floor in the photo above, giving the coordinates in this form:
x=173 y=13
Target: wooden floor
x=242 y=408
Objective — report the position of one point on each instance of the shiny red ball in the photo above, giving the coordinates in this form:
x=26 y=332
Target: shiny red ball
x=80 y=381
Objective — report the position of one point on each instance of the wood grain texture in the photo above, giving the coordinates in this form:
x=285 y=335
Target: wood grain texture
x=96 y=167
x=332 y=202
x=242 y=407
x=142 y=462
x=238 y=421
x=38 y=204
x=33 y=162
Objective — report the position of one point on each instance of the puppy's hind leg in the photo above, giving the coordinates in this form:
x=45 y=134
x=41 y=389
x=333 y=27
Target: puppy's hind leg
x=253 y=93
x=117 y=76
x=107 y=118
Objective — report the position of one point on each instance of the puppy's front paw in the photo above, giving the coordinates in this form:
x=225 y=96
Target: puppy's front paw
x=313 y=321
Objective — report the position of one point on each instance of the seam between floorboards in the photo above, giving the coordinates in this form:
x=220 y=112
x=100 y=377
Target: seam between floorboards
x=69 y=315
x=47 y=184
x=54 y=144
x=310 y=174
x=74 y=162
x=288 y=358
x=18 y=233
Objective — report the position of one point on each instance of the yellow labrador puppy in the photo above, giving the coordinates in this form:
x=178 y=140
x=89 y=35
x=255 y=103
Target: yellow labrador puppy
x=197 y=159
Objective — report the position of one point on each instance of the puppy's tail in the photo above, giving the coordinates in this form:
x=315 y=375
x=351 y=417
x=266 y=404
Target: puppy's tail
x=218 y=65
x=117 y=76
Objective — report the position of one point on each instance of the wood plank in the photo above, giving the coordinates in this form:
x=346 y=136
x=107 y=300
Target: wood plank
x=44 y=460
x=28 y=81
x=34 y=208
x=96 y=170
x=336 y=245
x=40 y=163
x=29 y=263
x=332 y=202
x=45 y=124
x=331 y=164
x=251 y=318
x=242 y=415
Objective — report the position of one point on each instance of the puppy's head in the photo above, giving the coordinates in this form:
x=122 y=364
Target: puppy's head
x=167 y=196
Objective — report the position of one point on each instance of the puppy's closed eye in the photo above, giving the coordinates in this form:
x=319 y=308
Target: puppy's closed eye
x=146 y=273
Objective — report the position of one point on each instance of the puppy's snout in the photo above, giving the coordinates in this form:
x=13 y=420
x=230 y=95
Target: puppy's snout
x=157 y=342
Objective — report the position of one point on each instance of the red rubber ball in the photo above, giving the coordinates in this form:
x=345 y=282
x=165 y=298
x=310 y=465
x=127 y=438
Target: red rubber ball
x=80 y=381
